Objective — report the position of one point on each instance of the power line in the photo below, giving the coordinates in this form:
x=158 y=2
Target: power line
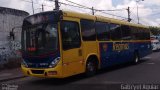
x=84 y=7
x=114 y=9
x=113 y=15
x=36 y=3
x=103 y=11
x=146 y=8
x=95 y=9
x=78 y=4
x=134 y=16
x=72 y=5
x=52 y=6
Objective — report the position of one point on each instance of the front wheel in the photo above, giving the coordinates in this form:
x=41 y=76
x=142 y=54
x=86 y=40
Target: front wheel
x=91 y=68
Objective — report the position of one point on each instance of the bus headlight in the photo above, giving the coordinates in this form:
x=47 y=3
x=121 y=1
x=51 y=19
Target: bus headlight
x=24 y=63
x=54 y=62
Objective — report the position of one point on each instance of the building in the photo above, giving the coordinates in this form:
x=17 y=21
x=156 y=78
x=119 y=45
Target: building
x=10 y=19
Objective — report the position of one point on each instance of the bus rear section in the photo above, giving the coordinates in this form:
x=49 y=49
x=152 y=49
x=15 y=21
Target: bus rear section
x=121 y=42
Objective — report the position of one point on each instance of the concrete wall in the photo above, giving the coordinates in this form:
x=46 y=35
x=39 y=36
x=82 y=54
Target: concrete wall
x=10 y=18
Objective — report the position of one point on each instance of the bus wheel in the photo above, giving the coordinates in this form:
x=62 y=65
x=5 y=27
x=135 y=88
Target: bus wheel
x=136 y=58
x=91 y=67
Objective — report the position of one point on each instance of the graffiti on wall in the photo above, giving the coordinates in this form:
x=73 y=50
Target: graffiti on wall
x=9 y=20
x=9 y=50
x=15 y=45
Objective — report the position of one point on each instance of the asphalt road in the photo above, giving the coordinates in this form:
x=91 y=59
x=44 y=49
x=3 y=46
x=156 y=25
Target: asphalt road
x=115 y=78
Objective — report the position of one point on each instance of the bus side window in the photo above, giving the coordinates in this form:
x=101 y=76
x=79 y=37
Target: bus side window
x=70 y=35
x=115 y=30
x=102 y=30
x=126 y=32
x=88 y=30
x=146 y=34
x=134 y=33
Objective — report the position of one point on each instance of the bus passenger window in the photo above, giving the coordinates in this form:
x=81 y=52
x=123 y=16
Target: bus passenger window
x=137 y=33
x=146 y=34
x=126 y=32
x=115 y=31
x=102 y=30
x=70 y=35
x=88 y=30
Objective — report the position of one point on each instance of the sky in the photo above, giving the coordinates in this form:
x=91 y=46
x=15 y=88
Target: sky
x=148 y=10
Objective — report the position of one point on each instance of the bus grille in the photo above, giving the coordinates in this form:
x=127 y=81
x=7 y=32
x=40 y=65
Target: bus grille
x=37 y=71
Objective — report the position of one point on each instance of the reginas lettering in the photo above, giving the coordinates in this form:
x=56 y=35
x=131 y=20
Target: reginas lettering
x=119 y=47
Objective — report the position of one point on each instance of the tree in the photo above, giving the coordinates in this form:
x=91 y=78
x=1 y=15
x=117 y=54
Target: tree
x=155 y=30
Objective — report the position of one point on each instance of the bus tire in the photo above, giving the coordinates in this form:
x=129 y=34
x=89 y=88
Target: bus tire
x=91 y=67
x=136 y=58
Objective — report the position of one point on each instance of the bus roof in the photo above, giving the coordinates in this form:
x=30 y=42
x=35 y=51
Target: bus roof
x=92 y=17
x=122 y=22
x=100 y=18
x=78 y=15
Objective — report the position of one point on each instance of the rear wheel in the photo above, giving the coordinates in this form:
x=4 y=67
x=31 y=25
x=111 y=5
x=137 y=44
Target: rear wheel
x=91 y=67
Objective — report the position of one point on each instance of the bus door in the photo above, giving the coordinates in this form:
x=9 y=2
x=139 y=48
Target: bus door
x=71 y=47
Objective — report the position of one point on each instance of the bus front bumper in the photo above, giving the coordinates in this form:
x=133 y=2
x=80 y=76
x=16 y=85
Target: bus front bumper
x=43 y=72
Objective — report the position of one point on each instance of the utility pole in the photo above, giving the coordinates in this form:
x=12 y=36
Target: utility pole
x=92 y=11
x=42 y=7
x=32 y=7
x=137 y=11
x=137 y=1
x=129 y=18
x=56 y=5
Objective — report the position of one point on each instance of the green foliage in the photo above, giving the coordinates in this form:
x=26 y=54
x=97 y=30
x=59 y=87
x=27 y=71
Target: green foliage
x=155 y=30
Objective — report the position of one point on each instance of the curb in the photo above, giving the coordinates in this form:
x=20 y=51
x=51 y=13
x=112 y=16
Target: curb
x=12 y=78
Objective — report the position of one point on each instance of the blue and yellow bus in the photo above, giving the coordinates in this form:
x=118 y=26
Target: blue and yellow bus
x=59 y=44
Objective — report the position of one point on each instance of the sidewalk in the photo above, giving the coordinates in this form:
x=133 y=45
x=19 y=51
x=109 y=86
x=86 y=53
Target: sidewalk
x=10 y=74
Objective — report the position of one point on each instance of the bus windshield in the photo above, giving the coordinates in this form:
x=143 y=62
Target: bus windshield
x=39 y=39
